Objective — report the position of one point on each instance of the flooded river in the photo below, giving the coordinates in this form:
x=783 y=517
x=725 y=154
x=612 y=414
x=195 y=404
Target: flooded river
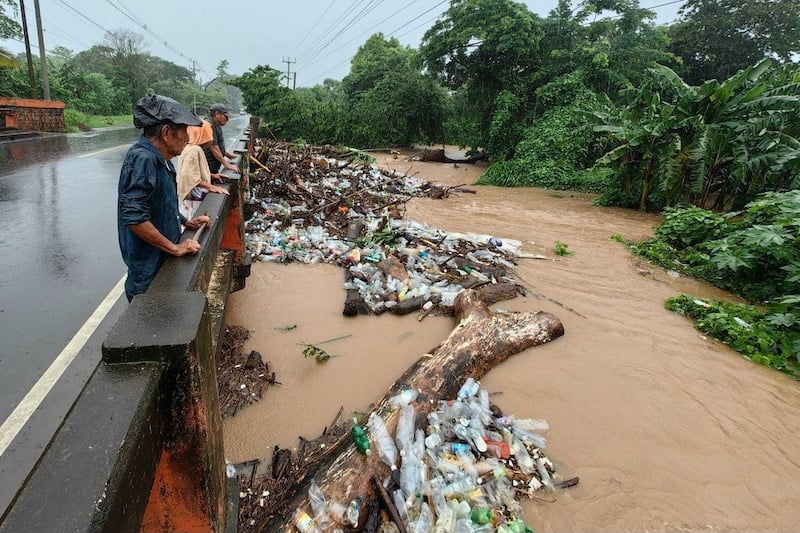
x=667 y=430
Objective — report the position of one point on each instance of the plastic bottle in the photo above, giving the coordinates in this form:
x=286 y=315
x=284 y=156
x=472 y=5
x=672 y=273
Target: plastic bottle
x=459 y=486
x=360 y=438
x=469 y=388
x=423 y=522
x=304 y=523
x=400 y=502
x=457 y=447
x=403 y=397
x=353 y=511
x=405 y=425
x=481 y=515
x=522 y=456
x=318 y=504
x=516 y=526
x=467 y=463
x=338 y=512
x=387 y=451
x=434 y=440
x=498 y=449
x=446 y=520
x=543 y=473
x=463 y=525
x=408 y=471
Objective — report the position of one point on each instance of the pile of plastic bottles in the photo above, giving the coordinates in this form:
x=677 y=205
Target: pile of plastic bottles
x=425 y=262
x=292 y=227
x=463 y=475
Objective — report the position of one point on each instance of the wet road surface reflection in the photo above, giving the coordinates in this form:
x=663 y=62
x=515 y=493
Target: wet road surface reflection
x=59 y=246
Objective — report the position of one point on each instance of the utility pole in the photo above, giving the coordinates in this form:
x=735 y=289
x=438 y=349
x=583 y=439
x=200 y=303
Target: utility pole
x=294 y=80
x=31 y=78
x=288 y=70
x=42 y=52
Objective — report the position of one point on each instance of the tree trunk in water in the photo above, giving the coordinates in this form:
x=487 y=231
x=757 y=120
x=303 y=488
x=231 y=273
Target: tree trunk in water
x=481 y=340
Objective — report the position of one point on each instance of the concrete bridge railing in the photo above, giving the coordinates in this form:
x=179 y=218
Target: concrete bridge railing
x=141 y=448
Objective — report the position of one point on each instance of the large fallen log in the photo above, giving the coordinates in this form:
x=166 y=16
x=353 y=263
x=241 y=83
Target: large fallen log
x=437 y=155
x=481 y=340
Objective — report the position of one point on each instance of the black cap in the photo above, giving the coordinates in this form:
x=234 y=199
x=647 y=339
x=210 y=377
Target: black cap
x=218 y=108
x=156 y=109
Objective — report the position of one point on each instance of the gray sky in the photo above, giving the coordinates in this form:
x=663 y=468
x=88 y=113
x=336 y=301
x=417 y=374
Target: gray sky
x=319 y=37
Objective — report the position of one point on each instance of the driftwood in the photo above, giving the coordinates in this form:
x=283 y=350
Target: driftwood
x=438 y=191
x=481 y=340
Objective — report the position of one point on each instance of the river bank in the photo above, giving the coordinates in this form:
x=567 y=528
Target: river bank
x=667 y=430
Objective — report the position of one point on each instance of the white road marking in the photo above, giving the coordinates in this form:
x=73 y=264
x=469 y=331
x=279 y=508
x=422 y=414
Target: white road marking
x=22 y=413
x=104 y=150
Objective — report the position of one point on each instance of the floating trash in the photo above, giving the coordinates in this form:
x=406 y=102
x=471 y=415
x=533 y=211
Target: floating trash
x=312 y=208
x=465 y=472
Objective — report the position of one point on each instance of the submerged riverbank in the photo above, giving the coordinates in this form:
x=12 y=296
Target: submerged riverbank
x=667 y=430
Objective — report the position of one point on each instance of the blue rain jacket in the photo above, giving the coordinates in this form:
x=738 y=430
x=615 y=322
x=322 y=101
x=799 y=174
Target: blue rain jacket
x=147 y=191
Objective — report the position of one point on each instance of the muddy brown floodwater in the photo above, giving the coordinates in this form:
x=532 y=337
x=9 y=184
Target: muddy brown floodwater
x=667 y=430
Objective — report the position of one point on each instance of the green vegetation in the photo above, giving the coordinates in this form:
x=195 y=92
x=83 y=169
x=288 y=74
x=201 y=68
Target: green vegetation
x=75 y=121
x=717 y=145
x=105 y=80
x=753 y=253
x=561 y=249
x=769 y=338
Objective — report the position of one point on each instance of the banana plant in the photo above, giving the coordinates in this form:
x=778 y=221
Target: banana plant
x=716 y=145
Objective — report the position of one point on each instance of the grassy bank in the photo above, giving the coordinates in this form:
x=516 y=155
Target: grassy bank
x=75 y=121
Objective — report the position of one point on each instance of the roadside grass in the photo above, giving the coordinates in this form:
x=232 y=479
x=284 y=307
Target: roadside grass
x=75 y=121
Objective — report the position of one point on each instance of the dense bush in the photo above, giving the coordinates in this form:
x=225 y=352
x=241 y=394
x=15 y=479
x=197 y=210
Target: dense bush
x=555 y=151
x=754 y=253
x=765 y=337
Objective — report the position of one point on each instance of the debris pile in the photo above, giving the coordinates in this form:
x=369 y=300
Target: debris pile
x=312 y=208
x=464 y=473
x=241 y=379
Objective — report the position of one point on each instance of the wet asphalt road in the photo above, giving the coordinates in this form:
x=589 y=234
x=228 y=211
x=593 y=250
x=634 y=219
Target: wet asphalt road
x=59 y=261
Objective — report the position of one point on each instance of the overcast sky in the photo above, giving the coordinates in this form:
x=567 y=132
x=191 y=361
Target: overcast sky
x=318 y=37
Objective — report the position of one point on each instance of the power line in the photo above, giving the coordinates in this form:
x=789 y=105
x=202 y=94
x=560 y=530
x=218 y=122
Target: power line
x=129 y=15
x=330 y=29
x=81 y=14
x=364 y=11
x=412 y=30
x=396 y=30
x=362 y=33
x=418 y=17
x=314 y=26
x=62 y=33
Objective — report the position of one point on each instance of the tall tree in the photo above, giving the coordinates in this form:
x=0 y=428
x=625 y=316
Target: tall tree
x=482 y=48
x=376 y=59
x=262 y=90
x=717 y=145
x=717 y=38
x=389 y=100
x=129 y=60
x=9 y=28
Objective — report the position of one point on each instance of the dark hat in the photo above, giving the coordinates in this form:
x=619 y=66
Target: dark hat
x=218 y=108
x=156 y=109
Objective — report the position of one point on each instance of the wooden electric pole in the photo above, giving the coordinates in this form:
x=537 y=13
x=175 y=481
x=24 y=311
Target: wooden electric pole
x=31 y=77
x=42 y=51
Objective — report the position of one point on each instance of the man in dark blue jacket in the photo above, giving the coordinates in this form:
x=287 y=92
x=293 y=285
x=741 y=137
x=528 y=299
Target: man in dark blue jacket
x=148 y=220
